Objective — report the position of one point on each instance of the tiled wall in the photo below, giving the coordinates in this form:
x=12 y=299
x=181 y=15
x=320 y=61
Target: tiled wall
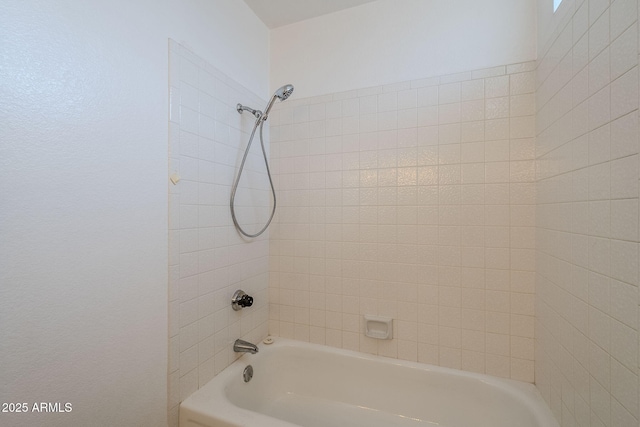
x=415 y=201
x=208 y=260
x=587 y=215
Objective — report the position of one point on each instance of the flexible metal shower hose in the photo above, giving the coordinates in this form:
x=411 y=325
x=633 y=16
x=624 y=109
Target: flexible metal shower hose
x=259 y=122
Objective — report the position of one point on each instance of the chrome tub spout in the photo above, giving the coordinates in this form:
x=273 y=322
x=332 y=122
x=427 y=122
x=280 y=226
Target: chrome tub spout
x=241 y=346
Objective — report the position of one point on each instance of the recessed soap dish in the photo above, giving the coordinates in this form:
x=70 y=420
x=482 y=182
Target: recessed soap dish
x=379 y=327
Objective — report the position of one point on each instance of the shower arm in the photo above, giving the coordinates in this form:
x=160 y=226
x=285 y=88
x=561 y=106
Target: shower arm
x=241 y=108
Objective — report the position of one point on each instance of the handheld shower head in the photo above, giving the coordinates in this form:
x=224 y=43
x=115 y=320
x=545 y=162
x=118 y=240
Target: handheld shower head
x=282 y=94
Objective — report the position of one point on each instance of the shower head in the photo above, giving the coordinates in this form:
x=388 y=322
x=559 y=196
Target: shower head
x=282 y=94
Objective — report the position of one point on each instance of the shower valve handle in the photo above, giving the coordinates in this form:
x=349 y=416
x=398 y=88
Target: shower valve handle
x=246 y=301
x=240 y=300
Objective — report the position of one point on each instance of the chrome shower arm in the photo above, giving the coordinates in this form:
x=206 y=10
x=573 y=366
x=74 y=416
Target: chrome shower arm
x=240 y=108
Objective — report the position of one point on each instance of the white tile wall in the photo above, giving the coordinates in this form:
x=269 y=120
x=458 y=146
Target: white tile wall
x=208 y=260
x=587 y=216
x=417 y=201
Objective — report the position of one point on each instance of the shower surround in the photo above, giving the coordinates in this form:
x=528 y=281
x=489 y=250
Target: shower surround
x=489 y=213
x=414 y=200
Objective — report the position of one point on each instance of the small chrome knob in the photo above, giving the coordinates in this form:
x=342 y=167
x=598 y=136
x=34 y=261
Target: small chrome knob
x=240 y=300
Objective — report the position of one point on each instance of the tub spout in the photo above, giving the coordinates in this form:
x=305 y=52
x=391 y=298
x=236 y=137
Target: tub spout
x=241 y=346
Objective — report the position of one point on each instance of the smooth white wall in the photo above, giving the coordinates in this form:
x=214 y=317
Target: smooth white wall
x=389 y=41
x=83 y=196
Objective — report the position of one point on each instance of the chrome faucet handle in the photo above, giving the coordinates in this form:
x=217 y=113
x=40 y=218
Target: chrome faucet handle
x=240 y=300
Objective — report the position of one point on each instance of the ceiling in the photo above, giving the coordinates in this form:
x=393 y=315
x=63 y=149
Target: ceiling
x=276 y=13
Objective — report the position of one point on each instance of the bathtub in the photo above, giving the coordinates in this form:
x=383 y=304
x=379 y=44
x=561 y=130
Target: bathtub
x=308 y=385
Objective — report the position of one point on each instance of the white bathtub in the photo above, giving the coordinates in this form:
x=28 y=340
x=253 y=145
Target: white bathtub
x=301 y=384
